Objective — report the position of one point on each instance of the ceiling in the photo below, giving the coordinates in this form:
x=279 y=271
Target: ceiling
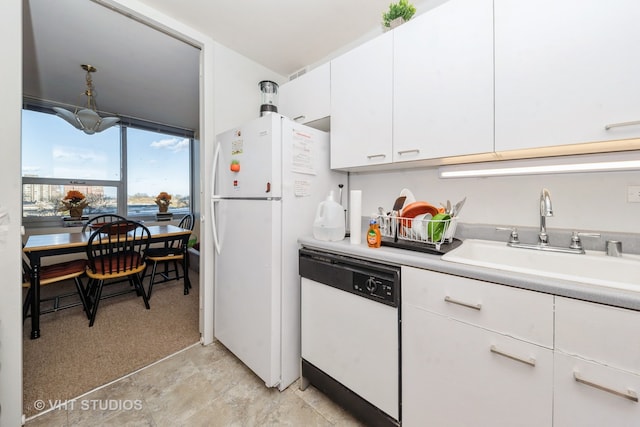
x=146 y=74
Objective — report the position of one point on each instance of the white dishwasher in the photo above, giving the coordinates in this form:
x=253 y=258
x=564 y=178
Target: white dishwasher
x=351 y=333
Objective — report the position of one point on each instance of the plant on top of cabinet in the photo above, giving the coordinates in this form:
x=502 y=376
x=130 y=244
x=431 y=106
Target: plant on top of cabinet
x=403 y=11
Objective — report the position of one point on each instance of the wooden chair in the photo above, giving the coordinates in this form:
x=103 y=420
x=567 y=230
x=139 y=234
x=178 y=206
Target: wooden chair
x=96 y=221
x=115 y=251
x=56 y=273
x=172 y=252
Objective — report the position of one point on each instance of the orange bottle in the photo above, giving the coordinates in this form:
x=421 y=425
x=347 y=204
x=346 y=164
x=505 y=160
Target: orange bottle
x=374 y=239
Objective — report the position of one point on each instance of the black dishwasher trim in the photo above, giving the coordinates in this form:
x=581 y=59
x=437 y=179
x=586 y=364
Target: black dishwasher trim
x=339 y=271
x=346 y=398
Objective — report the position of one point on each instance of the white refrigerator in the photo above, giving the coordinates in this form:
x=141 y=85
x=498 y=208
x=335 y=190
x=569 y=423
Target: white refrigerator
x=269 y=176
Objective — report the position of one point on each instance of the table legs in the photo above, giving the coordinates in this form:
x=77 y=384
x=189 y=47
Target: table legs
x=35 y=295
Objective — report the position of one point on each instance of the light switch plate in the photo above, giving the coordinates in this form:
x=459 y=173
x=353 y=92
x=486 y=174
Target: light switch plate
x=633 y=194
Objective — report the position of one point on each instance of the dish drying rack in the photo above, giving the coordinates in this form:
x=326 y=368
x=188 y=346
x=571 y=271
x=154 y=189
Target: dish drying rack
x=425 y=235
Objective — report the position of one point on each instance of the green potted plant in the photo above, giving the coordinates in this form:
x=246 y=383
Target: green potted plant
x=398 y=13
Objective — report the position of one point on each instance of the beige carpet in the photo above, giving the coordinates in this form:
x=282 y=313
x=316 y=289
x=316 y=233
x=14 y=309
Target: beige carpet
x=70 y=358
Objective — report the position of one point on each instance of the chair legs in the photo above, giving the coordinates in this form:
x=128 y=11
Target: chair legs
x=184 y=263
x=97 y=290
x=95 y=293
x=82 y=293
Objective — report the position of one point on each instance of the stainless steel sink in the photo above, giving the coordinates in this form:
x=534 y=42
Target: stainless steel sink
x=593 y=267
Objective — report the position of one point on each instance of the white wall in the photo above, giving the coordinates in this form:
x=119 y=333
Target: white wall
x=237 y=95
x=587 y=201
x=10 y=204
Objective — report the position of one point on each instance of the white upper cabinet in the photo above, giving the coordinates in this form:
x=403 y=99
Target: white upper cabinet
x=361 y=105
x=443 y=82
x=307 y=98
x=564 y=70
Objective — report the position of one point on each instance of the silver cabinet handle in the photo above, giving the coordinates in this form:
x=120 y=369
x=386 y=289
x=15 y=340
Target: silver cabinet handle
x=373 y=156
x=617 y=125
x=629 y=394
x=295 y=119
x=403 y=152
x=464 y=304
x=530 y=361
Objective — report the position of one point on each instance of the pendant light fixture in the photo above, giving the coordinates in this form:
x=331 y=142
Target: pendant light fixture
x=87 y=119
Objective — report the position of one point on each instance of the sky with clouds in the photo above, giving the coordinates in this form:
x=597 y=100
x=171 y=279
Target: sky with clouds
x=53 y=148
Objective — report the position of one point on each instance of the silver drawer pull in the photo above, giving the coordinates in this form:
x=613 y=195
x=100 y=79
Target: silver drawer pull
x=464 y=304
x=629 y=394
x=373 y=156
x=530 y=361
x=415 y=150
x=295 y=119
x=617 y=125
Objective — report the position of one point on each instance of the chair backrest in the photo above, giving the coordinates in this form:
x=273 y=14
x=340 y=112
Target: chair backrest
x=187 y=222
x=97 y=221
x=117 y=248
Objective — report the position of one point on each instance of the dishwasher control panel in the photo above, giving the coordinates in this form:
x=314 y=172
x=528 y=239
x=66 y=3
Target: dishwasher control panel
x=371 y=280
x=374 y=286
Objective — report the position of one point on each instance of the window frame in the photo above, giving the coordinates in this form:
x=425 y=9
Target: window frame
x=121 y=185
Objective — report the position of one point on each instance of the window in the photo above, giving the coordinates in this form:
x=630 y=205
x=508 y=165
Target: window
x=156 y=162
x=120 y=170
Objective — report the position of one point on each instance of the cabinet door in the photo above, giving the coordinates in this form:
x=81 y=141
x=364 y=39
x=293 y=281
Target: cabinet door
x=443 y=82
x=361 y=98
x=604 y=396
x=451 y=377
x=598 y=332
x=564 y=69
x=307 y=98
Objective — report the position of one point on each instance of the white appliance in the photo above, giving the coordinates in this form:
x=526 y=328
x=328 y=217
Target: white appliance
x=351 y=333
x=268 y=178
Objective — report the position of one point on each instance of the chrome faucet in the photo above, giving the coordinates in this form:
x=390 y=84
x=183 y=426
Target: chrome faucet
x=545 y=211
x=543 y=238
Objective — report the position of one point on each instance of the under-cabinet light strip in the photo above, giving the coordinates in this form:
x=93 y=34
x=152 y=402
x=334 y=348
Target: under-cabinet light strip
x=475 y=171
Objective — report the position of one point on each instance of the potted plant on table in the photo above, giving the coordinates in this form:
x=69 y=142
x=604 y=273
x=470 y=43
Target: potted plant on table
x=398 y=13
x=163 y=200
x=74 y=202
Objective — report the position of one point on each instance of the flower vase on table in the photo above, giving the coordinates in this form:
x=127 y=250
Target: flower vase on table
x=75 y=212
x=163 y=200
x=74 y=202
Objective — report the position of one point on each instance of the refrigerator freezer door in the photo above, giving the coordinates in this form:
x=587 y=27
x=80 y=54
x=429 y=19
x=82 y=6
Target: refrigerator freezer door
x=248 y=277
x=249 y=161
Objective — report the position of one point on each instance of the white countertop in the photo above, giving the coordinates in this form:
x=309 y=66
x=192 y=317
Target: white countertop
x=395 y=256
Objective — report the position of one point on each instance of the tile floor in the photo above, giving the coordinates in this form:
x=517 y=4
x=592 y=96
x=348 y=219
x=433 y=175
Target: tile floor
x=200 y=386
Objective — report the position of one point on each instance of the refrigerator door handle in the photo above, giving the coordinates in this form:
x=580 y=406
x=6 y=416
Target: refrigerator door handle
x=214 y=199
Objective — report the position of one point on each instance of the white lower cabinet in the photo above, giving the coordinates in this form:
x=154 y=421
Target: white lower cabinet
x=461 y=365
x=589 y=394
x=455 y=374
x=481 y=354
x=597 y=365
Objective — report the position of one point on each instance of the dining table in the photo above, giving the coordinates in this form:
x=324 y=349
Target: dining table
x=39 y=246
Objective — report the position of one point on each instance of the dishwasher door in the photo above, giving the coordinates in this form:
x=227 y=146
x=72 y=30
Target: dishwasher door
x=351 y=331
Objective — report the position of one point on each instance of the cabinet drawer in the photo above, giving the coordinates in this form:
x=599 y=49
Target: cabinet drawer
x=520 y=313
x=599 y=332
x=456 y=374
x=604 y=396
